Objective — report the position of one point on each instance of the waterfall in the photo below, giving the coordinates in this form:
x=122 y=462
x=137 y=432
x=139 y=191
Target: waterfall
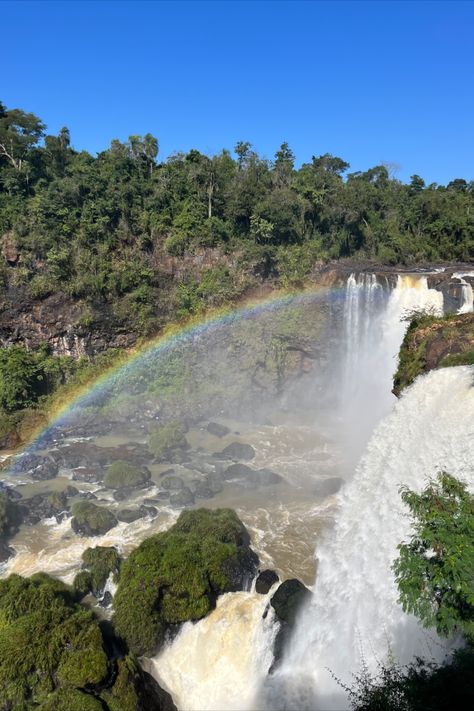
x=467 y=293
x=374 y=326
x=219 y=662
x=355 y=615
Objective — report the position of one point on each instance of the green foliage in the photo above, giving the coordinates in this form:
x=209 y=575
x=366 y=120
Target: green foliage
x=176 y=575
x=434 y=570
x=120 y=474
x=420 y=686
x=46 y=642
x=124 y=695
x=167 y=438
x=70 y=699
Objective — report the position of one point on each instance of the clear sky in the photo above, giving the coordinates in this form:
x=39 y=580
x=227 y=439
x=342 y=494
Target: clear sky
x=368 y=81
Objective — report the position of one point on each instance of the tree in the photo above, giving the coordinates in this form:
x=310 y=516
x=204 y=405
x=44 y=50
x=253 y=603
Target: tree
x=435 y=569
x=19 y=132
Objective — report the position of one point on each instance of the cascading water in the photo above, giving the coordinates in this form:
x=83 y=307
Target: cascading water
x=374 y=326
x=467 y=293
x=354 y=615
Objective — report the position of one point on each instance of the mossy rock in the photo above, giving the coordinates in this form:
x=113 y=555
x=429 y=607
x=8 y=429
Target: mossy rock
x=9 y=437
x=135 y=690
x=98 y=563
x=177 y=575
x=10 y=516
x=164 y=440
x=91 y=520
x=70 y=700
x=46 y=641
x=122 y=474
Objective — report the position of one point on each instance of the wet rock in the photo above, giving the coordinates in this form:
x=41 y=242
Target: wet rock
x=106 y=600
x=167 y=472
x=122 y=474
x=71 y=491
x=203 y=491
x=5 y=552
x=128 y=492
x=214 y=482
x=88 y=496
x=218 y=430
x=184 y=497
x=236 y=450
x=328 y=487
x=264 y=477
x=91 y=520
x=87 y=474
x=151 y=511
x=237 y=471
x=172 y=482
x=266 y=579
x=41 y=506
x=288 y=599
x=129 y=515
x=11 y=494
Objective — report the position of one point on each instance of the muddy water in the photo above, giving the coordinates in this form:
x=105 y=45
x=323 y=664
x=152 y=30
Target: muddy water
x=283 y=519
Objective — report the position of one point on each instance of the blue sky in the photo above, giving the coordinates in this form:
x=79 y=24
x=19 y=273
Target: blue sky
x=368 y=81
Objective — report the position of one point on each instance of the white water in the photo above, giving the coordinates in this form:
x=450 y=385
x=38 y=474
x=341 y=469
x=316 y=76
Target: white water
x=467 y=305
x=355 y=614
x=219 y=662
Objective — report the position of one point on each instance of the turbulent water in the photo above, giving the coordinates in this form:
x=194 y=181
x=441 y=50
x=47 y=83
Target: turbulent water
x=318 y=430
x=467 y=293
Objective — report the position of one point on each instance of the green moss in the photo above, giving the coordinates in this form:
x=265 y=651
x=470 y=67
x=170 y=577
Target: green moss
x=82 y=584
x=466 y=358
x=70 y=700
x=121 y=474
x=166 y=438
x=91 y=520
x=46 y=641
x=123 y=695
x=176 y=575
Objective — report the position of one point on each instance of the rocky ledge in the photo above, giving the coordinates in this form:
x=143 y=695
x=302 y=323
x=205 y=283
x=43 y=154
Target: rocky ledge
x=432 y=342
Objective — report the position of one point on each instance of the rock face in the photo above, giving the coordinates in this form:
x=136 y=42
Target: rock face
x=328 y=487
x=432 y=342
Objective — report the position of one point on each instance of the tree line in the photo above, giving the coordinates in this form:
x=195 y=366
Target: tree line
x=90 y=224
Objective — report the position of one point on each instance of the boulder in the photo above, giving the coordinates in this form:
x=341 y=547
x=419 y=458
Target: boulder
x=203 y=490
x=236 y=451
x=214 y=482
x=184 y=497
x=264 y=477
x=172 y=482
x=237 y=471
x=266 y=580
x=130 y=515
x=87 y=474
x=328 y=487
x=218 y=430
x=91 y=520
x=121 y=475
x=288 y=599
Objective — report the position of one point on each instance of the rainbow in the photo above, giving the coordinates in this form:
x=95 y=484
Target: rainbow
x=172 y=336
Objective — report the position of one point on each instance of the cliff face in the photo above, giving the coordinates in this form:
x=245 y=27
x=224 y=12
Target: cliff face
x=432 y=342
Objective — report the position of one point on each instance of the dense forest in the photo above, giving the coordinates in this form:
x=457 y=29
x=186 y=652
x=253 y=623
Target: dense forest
x=101 y=228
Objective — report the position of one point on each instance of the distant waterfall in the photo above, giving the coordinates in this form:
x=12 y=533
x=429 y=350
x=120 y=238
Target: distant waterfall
x=467 y=294
x=355 y=614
